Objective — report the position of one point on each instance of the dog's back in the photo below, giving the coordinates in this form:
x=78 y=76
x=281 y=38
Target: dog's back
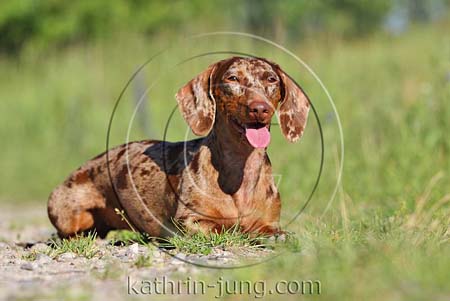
x=135 y=177
x=208 y=184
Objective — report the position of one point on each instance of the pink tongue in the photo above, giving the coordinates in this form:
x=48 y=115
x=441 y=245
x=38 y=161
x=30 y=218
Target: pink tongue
x=258 y=138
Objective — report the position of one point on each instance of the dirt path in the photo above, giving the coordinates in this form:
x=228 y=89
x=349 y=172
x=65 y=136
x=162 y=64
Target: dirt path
x=27 y=272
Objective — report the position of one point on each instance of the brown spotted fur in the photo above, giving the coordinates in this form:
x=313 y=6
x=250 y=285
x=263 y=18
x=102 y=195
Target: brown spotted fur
x=216 y=182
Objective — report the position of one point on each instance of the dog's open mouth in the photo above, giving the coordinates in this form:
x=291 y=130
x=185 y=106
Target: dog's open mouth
x=257 y=133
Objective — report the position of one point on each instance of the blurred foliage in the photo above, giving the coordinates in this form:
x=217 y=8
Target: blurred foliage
x=59 y=104
x=51 y=23
x=392 y=102
x=347 y=18
x=57 y=23
x=54 y=23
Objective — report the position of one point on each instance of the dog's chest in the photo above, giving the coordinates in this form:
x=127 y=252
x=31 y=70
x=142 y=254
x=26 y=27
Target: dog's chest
x=227 y=194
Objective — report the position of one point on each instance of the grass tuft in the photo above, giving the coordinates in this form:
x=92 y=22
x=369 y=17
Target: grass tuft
x=29 y=256
x=82 y=245
x=201 y=243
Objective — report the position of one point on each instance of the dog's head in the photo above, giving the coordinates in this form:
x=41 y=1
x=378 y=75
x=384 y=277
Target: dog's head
x=244 y=93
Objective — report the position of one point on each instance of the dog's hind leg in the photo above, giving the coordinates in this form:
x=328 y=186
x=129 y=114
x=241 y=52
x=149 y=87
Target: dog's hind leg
x=72 y=205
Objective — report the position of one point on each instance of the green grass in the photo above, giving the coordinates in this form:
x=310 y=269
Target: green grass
x=201 y=243
x=126 y=238
x=385 y=236
x=360 y=254
x=143 y=261
x=231 y=239
x=82 y=245
x=29 y=256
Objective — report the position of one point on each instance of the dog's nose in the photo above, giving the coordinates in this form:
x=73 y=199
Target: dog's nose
x=260 y=111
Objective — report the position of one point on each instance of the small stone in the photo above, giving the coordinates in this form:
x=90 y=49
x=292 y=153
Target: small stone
x=80 y=261
x=66 y=257
x=130 y=253
x=102 y=242
x=39 y=247
x=5 y=246
x=145 y=250
x=29 y=266
x=133 y=249
x=43 y=258
x=98 y=264
x=101 y=253
x=226 y=254
x=117 y=252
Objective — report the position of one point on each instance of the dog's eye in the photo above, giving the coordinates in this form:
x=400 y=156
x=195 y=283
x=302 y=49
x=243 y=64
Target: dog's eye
x=272 y=79
x=233 y=78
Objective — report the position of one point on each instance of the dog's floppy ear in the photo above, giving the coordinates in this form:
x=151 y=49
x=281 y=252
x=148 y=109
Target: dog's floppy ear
x=294 y=107
x=196 y=102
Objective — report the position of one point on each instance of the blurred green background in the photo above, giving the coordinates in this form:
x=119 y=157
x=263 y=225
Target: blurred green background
x=385 y=63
